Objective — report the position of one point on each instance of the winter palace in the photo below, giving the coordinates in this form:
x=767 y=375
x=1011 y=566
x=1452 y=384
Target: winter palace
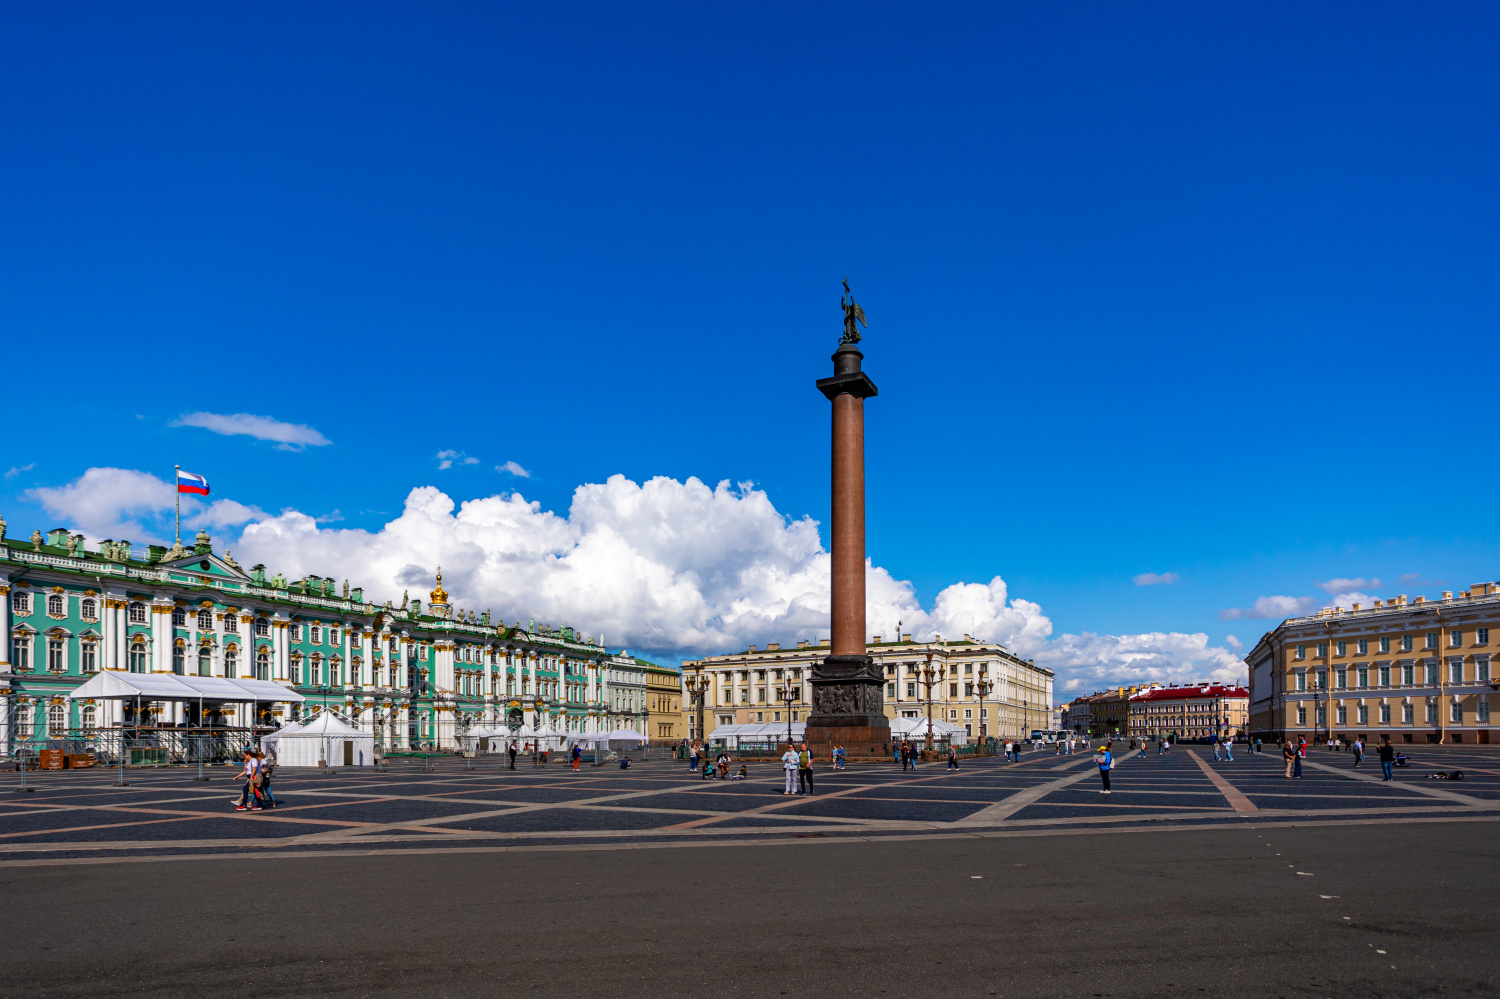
x=415 y=676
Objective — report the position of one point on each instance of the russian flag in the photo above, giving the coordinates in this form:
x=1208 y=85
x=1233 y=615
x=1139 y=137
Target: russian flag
x=187 y=482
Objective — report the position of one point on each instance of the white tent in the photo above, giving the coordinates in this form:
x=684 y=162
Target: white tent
x=916 y=728
x=326 y=739
x=758 y=733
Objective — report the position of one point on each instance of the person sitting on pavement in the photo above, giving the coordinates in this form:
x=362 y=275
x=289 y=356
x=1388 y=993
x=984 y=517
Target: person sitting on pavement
x=742 y=775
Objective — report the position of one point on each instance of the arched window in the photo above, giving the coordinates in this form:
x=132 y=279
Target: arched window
x=88 y=609
x=137 y=613
x=90 y=718
x=57 y=605
x=263 y=665
x=20 y=603
x=231 y=661
x=262 y=627
x=205 y=661
x=335 y=672
x=56 y=663
x=205 y=620
x=23 y=721
x=333 y=636
x=179 y=617
x=138 y=656
x=316 y=674
x=231 y=623
x=179 y=658
x=89 y=656
x=57 y=721
x=297 y=669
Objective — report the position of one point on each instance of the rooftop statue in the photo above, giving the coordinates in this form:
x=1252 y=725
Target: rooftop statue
x=854 y=315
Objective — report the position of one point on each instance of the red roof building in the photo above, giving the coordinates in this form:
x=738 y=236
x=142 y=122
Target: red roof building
x=1190 y=711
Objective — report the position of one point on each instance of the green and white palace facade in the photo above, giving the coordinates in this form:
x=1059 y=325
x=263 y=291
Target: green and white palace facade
x=414 y=676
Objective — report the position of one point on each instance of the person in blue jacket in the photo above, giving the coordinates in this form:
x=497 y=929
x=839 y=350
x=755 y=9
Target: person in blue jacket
x=1105 y=760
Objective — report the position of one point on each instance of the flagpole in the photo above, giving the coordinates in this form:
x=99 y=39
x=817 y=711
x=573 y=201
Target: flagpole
x=178 y=529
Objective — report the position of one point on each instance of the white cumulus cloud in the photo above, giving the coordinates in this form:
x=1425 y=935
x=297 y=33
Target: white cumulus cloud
x=1155 y=579
x=289 y=436
x=1342 y=585
x=108 y=502
x=514 y=468
x=1269 y=607
x=1089 y=662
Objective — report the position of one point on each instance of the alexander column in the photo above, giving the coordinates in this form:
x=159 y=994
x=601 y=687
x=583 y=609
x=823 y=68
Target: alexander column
x=848 y=701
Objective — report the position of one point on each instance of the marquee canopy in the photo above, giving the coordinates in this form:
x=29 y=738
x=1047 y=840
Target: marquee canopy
x=112 y=685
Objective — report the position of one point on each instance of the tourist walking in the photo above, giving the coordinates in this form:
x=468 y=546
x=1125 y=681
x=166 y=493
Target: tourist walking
x=1214 y=740
x=952 y=758
x=1106 y=763
x=1387 y=758
x=804 y=770
x=577 y=754
x=789 y=769
x=1229 y=749
x=1358 y=746
x=248 y=774
x=1289 y=756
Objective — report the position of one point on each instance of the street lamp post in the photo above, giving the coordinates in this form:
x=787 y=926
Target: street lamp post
x=983 y=686
x=698 y=686
x=931 y=676
x=785 y=694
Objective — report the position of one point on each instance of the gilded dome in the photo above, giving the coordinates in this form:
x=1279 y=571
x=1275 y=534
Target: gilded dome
x=439 y=595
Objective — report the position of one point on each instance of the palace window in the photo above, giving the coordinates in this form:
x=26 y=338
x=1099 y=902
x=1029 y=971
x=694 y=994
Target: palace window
x=1363 y=712
x=1385 y=714
x=205 y=620
x=333 y=636
x=55 y=661
x=1322 y=650
x=138 y=657
x=393 y=643
x=262 y=628
x=952 y=690
x=1406 y=643
x=1482 y=712
x=1342 y=714
x=205 y=662
x=1301 y=716
x=1301 y=652
x=1432 y=674
x=136 y=613
x=911 y=690
x=1456 y=671
x=1341 y=678
x=1407 y=711
x=20 y=603
x=89 y=656
x=1432 y=640
x=1301 y=681
x=1408 y=675
x=263 y=665
x=1385 y=645
x=1481 y=671
x=1363 y=646
x=90 y=718
x=179 y=617
x=57 y=605
x=317 y=635
x=179 y=659
x=23 y=722
x=231 y=662
x=1340 y=648
x=57 y=721
x=1481 y=636
x=231 y=624
x=88 y=609
x=1456 y=639
x=1385 y=676
x=1456 y=713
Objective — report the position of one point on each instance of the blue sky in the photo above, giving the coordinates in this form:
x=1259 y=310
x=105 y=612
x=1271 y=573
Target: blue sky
x=1199 y=290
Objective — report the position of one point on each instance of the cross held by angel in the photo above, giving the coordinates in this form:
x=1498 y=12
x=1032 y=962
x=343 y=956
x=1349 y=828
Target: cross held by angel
x=854 y=316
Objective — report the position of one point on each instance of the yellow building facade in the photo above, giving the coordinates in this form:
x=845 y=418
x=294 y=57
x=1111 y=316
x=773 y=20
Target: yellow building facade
x=1417 y=671
x=980 y=686
x=665 y=721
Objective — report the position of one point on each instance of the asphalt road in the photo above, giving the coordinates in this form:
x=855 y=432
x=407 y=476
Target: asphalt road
x=1357 y=909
